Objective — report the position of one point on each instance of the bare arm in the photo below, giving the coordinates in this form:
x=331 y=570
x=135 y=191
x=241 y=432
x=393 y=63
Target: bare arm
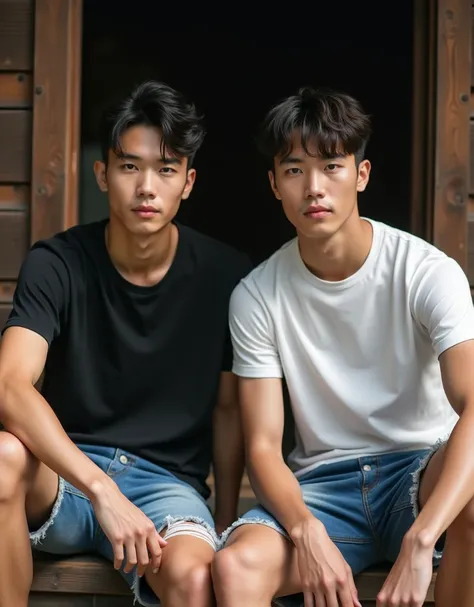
x=27 y=415
x=228 y=452
x=273 y=482
x=455 y=486
x=325 y=575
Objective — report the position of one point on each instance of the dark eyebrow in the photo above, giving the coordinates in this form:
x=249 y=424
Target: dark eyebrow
x=297 y=160
x=163 y=159
x=291 y=160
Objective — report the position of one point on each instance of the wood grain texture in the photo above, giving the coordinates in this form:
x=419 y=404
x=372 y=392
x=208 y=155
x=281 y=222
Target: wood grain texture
x=16 y=34
x=14 y=236
x=16 y=90
x=56 y=113
x=15 y=150
x=452 y=129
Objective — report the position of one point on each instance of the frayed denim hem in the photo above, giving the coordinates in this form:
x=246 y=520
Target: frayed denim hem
x=170 y=520
x=40 y=534
x=415 y=488
x=250 y=521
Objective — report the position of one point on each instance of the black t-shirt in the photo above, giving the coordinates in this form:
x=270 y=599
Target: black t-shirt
x=133 y=367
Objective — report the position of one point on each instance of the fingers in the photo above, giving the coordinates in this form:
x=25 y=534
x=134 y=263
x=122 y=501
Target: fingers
x=118 y=554
x=155 y=544
x=345 y=596
x=161 y=541
x=309 y=600
x=131 y=556
x=331 y=599
x=353 y=591
x=143 y=559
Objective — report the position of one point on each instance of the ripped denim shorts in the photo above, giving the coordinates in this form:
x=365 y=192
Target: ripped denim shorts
x=72 y=527
x=367 y=504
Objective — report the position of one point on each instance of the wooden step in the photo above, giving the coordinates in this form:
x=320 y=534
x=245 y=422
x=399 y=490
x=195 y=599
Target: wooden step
x=70 y=580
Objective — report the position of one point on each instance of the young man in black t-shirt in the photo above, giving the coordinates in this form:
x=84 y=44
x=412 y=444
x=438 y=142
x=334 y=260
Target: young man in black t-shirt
x=128 y=319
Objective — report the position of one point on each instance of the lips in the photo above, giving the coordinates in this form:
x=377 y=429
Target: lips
x=143 y=209
x=316 y=209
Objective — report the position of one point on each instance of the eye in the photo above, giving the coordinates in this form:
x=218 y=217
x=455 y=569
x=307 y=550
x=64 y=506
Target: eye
x=332 y=166
x=128 y=166
x=167 y=170
x=293 y=171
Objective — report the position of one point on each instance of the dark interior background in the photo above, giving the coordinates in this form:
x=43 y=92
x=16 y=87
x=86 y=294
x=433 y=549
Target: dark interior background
x=234 y=62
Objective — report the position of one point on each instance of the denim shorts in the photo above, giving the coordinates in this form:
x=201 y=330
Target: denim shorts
x=366 y=504
x=72 y=527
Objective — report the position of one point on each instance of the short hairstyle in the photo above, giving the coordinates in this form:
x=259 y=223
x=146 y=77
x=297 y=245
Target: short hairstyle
x=157 y=105
x=335 y=122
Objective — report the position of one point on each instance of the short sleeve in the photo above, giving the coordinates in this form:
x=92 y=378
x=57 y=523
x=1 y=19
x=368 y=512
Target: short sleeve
x=442 y=303
x=255 y=352
x=40 y=295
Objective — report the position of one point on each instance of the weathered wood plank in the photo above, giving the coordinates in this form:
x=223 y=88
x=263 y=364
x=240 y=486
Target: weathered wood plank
x=79 y=574
x=452 y=129
x=56 y=113
x=15 y=149
x=14 y=197
x=16 y=90
x=424 y=108
x=14 y=235
x=16 y=34
x=4 y=313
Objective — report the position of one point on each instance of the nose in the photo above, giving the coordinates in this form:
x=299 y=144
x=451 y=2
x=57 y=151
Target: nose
x=145 y=186
x=315 y=185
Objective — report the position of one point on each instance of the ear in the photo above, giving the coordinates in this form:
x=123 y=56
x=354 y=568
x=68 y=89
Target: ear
x=363 y=176
x=190 y=179
x=100 y=171
x=271 y=177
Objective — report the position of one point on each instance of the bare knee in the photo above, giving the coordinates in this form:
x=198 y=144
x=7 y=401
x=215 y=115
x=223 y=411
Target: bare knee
x=239 y=571
x=15 y=463
x=185 y=579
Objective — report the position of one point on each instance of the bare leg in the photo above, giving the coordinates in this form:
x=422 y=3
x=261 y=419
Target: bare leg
x=28 y=490
x=184 y=578
x=455 y=583
x=257 y=566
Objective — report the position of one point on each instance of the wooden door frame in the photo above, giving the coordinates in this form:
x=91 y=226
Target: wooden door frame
x=56 y=116
x=440 y=136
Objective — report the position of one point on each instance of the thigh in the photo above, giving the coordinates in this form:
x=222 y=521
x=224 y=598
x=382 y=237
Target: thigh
x=401 y=500
x=71 y=527
x=334 y=496
x=166 y=501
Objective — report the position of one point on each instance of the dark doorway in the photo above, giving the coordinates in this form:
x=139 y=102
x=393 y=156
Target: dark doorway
x=234 y=67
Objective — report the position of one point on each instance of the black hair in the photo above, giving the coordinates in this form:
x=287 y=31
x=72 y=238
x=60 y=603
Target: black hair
x=335 y=122
x=158 y=105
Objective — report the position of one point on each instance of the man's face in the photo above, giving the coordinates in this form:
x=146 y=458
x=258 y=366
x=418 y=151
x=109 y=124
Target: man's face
x=144 y=188
x=318 y=194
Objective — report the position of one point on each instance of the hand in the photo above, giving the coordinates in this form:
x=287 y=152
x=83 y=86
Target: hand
x=127 y=528
x=326 y=577
x=409 y=579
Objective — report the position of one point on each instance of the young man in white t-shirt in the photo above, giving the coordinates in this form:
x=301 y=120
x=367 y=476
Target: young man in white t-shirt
x=373 y=331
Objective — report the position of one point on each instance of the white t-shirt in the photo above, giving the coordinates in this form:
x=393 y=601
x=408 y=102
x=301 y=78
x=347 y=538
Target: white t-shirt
x=359 y=356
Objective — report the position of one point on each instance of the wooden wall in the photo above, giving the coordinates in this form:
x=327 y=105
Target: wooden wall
x=40 y=61
x=470 y=214
x=16 y=113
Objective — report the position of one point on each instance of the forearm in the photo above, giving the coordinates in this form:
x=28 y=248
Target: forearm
x=228 y=462
x=26 y=414
x=455 y=486
x=277 y=489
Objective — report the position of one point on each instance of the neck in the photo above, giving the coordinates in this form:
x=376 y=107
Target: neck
x=141 y=259
x=342 y=254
